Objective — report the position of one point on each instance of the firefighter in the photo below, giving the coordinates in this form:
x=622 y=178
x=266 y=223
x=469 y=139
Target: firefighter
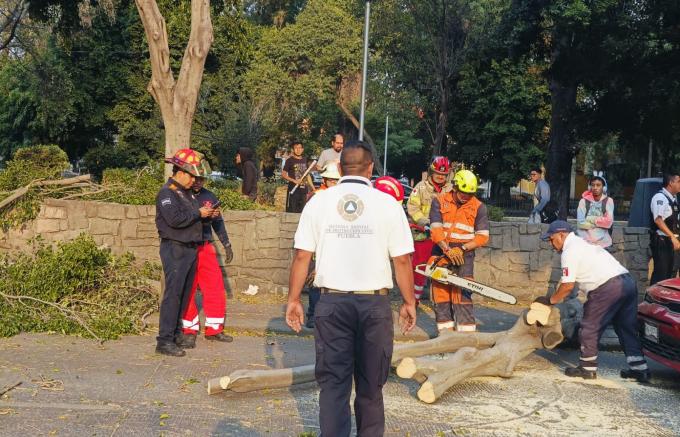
x=208 y=276
x=459 y=224
x=178 y=220
x=418 y=208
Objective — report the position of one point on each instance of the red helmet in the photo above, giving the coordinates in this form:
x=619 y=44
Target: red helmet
x=441 y=165
x=391 y=186
x=190 y=161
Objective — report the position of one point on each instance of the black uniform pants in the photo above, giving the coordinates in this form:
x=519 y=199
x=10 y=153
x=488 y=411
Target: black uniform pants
x=353 y=337
x=179 y=268
x=296 y=201
x=665 y=259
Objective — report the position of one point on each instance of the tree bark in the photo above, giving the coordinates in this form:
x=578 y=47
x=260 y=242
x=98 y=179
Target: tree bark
x=176 y=100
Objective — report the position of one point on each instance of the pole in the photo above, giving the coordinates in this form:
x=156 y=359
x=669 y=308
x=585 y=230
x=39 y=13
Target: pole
x=364 y=72
x=649 y=158
x=387 y=130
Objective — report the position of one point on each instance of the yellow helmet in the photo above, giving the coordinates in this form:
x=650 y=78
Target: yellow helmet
x=465 y=181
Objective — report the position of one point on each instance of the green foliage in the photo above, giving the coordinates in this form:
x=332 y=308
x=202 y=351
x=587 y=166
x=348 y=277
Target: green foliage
x=495 y=213
x=131 y=187
x=33 y=163
x=73 y=287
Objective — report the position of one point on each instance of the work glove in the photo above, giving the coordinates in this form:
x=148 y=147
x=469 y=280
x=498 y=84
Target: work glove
x=423 y=222
x=456 y=256
x=545 y=300
x=228 y=254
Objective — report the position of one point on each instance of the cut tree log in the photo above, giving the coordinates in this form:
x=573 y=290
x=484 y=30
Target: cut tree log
x=474 y=354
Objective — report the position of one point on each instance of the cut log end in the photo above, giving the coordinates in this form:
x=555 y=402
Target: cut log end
x=407 y=368
x=426 y=393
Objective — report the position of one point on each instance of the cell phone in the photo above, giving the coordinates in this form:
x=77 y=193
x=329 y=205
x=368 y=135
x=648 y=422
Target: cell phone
x=216 y=204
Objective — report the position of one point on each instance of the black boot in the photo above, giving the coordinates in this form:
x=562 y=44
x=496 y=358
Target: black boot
x=220 y=337
x=640 y=375
x=170 y=349
x=580 y=372
x=186 y=341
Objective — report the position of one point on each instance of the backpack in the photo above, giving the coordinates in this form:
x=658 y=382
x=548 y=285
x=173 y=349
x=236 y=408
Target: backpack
x=550 y=212
x=588 y=202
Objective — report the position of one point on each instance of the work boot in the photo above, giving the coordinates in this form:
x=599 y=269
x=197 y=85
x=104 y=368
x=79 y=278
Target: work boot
x=642 y=376
x=580 y=372
x=186 y=341
x=170 y=349
x=220 y=337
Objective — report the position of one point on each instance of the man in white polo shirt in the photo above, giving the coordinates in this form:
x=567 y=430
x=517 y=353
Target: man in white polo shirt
x=611 y=298
x=354 y=230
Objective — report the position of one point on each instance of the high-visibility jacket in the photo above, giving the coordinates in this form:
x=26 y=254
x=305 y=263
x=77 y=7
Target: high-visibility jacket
x=452 y=222
x=420 y=200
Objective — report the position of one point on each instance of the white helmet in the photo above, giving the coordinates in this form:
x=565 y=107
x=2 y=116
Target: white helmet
x=330 y=171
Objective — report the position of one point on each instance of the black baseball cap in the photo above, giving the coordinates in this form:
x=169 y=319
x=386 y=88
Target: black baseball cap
x=555 y=227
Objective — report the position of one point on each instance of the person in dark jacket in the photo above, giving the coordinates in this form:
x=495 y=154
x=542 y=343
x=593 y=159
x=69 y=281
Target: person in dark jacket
x=245 y=160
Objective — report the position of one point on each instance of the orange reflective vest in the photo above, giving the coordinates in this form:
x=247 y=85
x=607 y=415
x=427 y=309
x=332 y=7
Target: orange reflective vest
x=458 y=223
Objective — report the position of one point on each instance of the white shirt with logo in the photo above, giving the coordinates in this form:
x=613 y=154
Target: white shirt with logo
x=354 y=230
x=661 y=207
x=587 y=264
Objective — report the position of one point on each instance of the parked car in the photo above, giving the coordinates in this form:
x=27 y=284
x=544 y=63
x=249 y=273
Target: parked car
x=659 y=322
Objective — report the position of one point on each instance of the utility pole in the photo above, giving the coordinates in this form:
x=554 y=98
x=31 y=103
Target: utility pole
x=365 y=71
x=387 y=130
x=649 y=158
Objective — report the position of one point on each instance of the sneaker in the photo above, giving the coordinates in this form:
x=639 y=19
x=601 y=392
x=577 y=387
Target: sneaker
x=642 y=376
x=580 y=372
x=186 y=341
x=310 y=323
x=170 y=349
x=220 y=337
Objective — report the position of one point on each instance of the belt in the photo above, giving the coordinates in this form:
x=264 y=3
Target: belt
x=381 y=292
x=191 y=245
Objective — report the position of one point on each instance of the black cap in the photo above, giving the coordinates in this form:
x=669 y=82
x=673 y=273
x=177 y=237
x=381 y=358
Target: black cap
x=555 y=227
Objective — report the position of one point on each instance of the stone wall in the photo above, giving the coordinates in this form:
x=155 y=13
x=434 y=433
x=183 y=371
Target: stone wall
x=515 y=259
x=262 y=241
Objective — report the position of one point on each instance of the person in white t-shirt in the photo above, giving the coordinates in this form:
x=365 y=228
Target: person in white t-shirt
x=611 y=298
x=354 y=231
x=331 y=154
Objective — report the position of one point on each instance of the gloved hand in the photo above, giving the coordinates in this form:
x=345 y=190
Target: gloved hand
x=228 y=254
x=423 y=222
x=545 y=300
x=456 y=256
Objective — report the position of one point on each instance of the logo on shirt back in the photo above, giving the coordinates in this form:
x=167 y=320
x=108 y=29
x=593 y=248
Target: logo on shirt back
x=350 y=207
x=565 y=271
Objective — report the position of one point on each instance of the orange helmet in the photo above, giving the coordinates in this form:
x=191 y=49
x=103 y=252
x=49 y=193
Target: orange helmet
x=441 y=165
x=190 y=161
x=391 y=186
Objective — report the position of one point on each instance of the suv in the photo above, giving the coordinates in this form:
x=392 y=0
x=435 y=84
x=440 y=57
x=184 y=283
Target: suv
x=659 y=322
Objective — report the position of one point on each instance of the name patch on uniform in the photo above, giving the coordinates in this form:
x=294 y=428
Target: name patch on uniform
x=166 y=202
x=659 y=202
x=350 y=207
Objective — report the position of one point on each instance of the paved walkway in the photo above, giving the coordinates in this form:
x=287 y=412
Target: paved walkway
x=72 y=386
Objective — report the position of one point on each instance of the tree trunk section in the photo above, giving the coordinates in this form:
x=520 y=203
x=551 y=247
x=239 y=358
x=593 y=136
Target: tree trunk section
x=177 y=101
x=561 y=151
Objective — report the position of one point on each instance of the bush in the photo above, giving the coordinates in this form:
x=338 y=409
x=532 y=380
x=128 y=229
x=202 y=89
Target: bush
x=75 y=288
x=131 y=187
x=495 y=213
x=33 y=163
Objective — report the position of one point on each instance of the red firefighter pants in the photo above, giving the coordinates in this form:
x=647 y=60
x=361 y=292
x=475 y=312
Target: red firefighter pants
x=423 y=250
x=209 y=279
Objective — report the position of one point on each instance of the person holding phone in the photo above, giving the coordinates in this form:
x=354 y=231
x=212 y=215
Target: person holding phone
x=208 y=275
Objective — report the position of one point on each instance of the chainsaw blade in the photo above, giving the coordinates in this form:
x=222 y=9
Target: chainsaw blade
x=443 y=275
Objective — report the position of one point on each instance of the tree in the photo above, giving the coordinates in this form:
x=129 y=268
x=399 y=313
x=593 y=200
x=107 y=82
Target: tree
x=11 y=14
x=177 y=100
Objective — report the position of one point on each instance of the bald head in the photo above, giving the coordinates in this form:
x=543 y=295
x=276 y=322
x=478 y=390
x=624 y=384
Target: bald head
x=357 y=159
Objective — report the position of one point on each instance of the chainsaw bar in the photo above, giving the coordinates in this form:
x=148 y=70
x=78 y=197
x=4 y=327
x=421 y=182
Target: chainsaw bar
x=444 y=275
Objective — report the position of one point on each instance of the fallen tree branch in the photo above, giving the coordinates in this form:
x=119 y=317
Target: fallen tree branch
x=9 y=388
x=67 y=312
x=20 y=192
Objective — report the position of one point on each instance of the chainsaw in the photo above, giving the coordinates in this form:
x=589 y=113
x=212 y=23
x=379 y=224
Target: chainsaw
x=444 y=275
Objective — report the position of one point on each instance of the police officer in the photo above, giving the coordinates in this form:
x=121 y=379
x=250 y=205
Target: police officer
x=363 y=228
x=611 y=298
x=666 y=228
x=178 y=219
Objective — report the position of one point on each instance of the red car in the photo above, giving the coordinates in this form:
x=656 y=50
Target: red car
x=659 y=323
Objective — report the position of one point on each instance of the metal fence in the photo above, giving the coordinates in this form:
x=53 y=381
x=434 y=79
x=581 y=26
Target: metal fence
x=517 y=206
